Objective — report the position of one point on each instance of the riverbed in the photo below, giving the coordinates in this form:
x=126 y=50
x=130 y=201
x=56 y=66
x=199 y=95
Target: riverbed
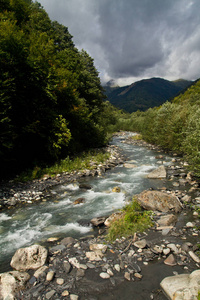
x=60 y=217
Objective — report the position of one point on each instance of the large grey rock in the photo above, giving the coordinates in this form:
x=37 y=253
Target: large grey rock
x=161 y=201
x=158 y=173
x=32 y=257
x=182 y=287
x=12 y=282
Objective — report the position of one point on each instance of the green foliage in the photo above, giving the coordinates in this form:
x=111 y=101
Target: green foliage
x=51 y=99
x=86 y=160
x=174 y=125
x=133 y=219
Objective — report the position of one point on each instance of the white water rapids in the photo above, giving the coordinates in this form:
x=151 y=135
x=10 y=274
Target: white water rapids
x=59 y=217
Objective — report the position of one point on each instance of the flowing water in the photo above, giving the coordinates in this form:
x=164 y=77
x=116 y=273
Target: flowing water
x=59 y=217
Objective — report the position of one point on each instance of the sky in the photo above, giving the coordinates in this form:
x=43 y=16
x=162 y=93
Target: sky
x=130 y=40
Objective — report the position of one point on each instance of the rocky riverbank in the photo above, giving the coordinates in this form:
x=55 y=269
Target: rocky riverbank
x=93 y=268
x=16 y=193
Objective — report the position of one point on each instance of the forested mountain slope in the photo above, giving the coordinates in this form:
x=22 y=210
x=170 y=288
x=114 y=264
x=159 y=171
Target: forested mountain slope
x=145 y=93
x=174 y=125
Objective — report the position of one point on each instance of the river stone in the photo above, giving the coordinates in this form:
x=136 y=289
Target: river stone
x=182 y=287
x=50 y=294
x=170 y=260
x=94 y=255
x=116 y=189
x=114 y=217
x=129 y=166
x=60 y=281
x=158 y=173
x=32 y=257
x=74 y=262
x=79 y=201
x=68 y=241
x=127 y=276
x=40 y=272
x=73 y=297
x=10 y=282
x=98 y=221
x=101 y=247
x=104 y=275
x=85 y=186
x=161 y=201
x=194 y=257
x=50 y=276
x=167 y=220
x=140 y=244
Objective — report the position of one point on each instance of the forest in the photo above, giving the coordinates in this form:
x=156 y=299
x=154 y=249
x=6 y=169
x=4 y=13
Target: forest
x=52 y=103
x=174 y=125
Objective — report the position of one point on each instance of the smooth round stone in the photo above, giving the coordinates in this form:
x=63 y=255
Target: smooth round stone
x=104 y=275
x=65 y=293
x=60 y=281
x=140 y=244
x=50 y=276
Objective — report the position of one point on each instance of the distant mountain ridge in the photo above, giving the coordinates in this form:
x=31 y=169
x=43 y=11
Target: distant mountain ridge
x=145 y=93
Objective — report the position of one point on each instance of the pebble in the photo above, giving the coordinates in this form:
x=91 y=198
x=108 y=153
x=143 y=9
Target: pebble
x=194 y=256
x=73 y=297
x=50 y=276
x=140 y=244
x=50 y=294
x=110 y=272
x=104 y=275
x=127 y=276
x=170 y=260
x=65 y=293
x=190 y=225
x=137 y=275
x=117 y=267
x=60 y=281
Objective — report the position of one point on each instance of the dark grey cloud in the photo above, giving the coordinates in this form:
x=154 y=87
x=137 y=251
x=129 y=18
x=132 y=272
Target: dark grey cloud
x=134 y=39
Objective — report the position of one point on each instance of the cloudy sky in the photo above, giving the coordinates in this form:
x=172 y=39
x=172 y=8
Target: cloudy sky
x=134 y=39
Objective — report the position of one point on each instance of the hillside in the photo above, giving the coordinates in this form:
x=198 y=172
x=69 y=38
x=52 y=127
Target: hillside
x=174 y=125
x=144 y=94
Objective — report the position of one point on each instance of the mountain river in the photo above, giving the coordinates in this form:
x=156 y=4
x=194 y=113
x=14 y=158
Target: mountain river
x=59 y=217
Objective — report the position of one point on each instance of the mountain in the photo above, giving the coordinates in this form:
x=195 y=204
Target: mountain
x=144 y=94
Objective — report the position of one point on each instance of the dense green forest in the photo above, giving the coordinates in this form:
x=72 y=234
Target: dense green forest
x=174 y=125
x=51 y=100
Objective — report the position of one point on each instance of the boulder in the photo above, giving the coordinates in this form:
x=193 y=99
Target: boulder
x=182 y=287
x=12 y=282
x=160 y=201
x=158 y=173
x=32 y=257
x=98 y=221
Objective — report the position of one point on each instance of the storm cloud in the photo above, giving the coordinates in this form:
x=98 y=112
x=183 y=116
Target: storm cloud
x=134 y=39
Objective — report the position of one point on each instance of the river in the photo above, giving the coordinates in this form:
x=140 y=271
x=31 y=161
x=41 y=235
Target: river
x=59 y=217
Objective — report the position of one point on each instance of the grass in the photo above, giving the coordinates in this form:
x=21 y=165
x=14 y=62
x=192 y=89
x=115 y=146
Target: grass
x=86 y=160
x=134 y=219
x=137 y=137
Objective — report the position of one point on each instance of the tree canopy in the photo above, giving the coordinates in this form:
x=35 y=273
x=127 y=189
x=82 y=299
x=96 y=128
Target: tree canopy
x=51 y=99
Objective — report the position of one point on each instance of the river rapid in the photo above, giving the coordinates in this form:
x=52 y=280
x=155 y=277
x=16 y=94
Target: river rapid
x=59 y=217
